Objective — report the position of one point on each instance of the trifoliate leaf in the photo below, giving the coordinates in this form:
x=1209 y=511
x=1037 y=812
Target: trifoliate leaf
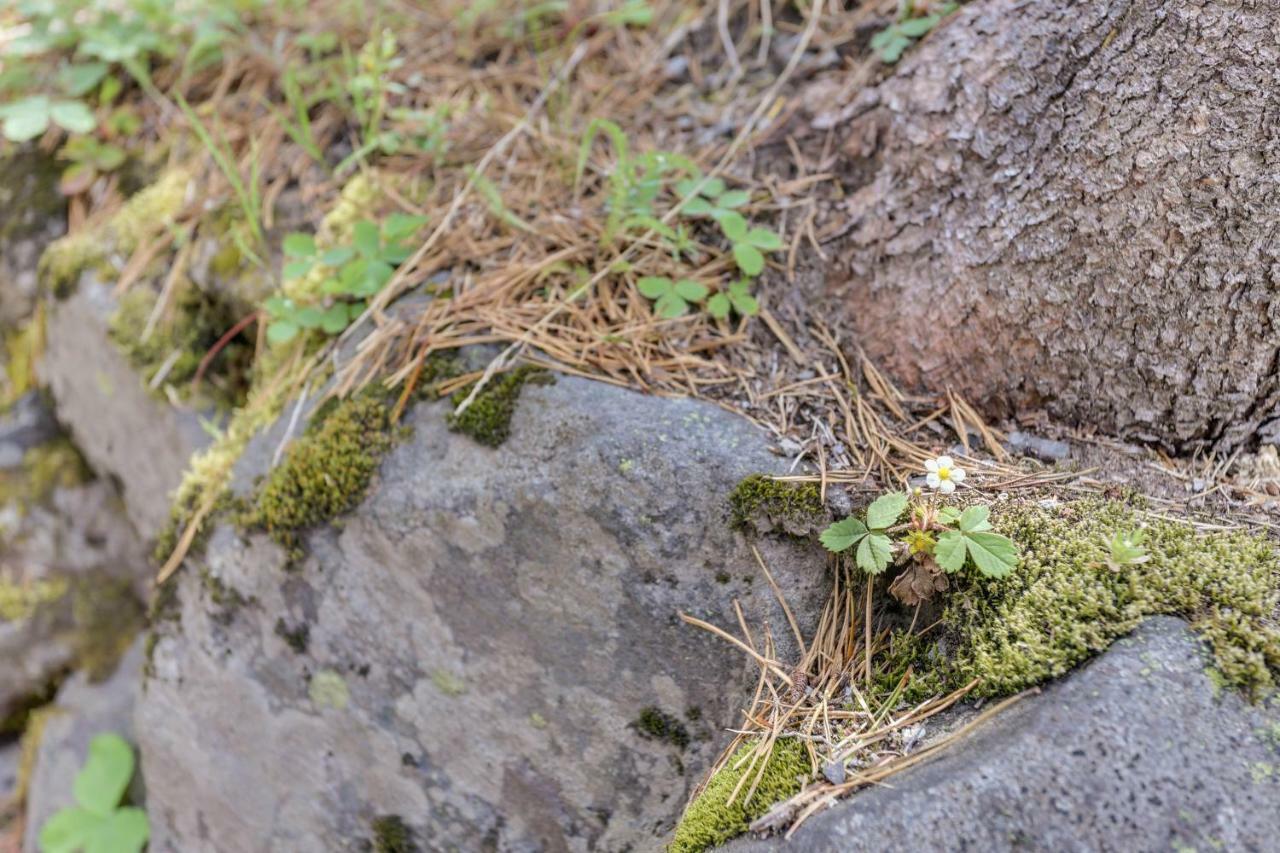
x=281 y=331
x=974 y=519
x=732 y=224
x=69 y=830
x=764 y=239
x=653 y=286
x=690 y=290
x=874 y=552
x=950 y=551
x=994 y=555
x=72 y=116
x=718 y=306
x=885 y=510
x=125 y=831
x=749 y=259
x=842 y=535
x=101 y=783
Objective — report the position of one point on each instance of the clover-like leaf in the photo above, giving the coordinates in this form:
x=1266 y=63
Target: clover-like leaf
x=654 y=286
x=690 y=290
x=337 y=256
x=950 y=550
x=364 y=235
x=299 y=245
x=697 y=206
x=125 y=831
x=743 y=302
x=732 y=223
x=842 y=535
x=994 y=555
x=670 y=305
x=733 y=199
x=718 y=305
x=72 y=116
x=281 y=331
x=69 y=830
x=886 y=509
x=749 y=259
x=763 y=239
x=102 y=781
x=874 y=553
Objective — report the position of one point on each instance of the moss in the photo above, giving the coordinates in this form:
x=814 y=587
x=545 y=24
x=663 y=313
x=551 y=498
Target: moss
x=179 y=341
x=45 y=467
x=448 y=683
x=488 y=418
x=1064 y=603
x=766 y=504
x=297 y=638
x=19 y=601
x=392 y=835
x=24 y=346
x=327 y=471
x=653 y=723
x=226 y=599
x=107 y=617
x=711 y=819
x=139 y=219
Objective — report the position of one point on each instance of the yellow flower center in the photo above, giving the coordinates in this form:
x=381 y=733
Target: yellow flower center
x=944 y=473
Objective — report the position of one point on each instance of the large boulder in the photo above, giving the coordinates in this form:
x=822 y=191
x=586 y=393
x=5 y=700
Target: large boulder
x=1138 y=751
x=487 y=653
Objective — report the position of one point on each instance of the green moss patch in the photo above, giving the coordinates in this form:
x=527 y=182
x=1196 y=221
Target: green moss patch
x=392 y=835
x=767 y=505
x=328 y=470
x=653 y=723
x=1064 y=603
x=179 y=340
x=488 y=418
x=711 y=819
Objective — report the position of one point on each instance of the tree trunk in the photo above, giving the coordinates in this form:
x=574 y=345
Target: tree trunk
x=1074 y=208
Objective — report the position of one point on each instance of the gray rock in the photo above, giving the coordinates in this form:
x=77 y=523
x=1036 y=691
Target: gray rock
x=83 y=711
x=10 y=759
x=28 y=423
x=32 y=215
x=123 y=430
x=78 y=536
x=484 y=633
x=1137 y=751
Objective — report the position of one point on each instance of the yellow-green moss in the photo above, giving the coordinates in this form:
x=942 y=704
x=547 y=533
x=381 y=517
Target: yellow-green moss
x=45 y=467
x=327 y=471
x=711 y=819
x=768 y=504
x=190 y=328
x=1064 y=603
x=23 y=346
x=30 y=748
x=488 y=418
x=392 y=835
x=141 y=218
x=18 y=601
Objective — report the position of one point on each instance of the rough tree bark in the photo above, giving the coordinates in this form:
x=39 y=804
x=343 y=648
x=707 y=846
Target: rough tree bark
x=1074 y=207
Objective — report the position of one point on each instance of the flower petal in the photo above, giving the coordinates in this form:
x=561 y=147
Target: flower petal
x=957 y=474
x=945 y=462
x=933 y=480
x=931 y=465
x=946 y=487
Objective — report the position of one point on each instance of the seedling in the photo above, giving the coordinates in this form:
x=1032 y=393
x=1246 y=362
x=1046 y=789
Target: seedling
x=891 y=42
x=671 y=298
x=98 y=823
x=737 y=297
x=1125 y=548
x=353 y=273
x=721 y=204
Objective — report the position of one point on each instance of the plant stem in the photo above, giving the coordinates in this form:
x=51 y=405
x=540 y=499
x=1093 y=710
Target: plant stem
x=870 y=584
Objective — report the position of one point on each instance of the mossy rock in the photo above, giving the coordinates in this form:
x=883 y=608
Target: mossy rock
x=711 y=819
x=1065 y=602
x=488 y=418
x=767 y=505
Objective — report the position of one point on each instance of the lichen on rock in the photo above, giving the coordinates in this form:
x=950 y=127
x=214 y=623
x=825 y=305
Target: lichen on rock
x=711 y=819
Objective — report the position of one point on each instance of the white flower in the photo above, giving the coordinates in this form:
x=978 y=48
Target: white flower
x=943 y=474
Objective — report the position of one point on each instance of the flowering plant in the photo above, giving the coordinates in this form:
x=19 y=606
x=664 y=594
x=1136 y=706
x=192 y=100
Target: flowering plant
x=936 y=539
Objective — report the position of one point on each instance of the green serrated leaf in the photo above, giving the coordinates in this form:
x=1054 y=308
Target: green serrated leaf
x=950 y=550
x=670 y=305
x=337 y=256
x=885 y=510
x=654 y=286
x=713 y=187
x=842 y=535
x=745 y=304
x=733 y=199
x=974 y=519
x=364 y=235
x=299 y=245
x=101 y=783
x=690 y=290
x=72 y=116
x=697 y=207
x=994 y=555
x=948 y=515
x=874 y=552
x=732 y=224
x=749 y=259
x=764 y=239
